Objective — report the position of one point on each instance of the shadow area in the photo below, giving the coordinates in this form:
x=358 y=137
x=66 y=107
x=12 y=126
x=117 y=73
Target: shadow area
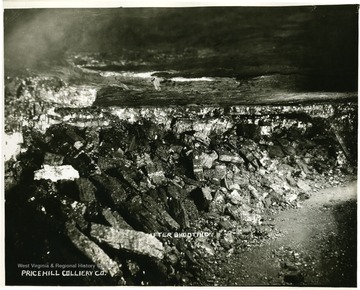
x=339 y=256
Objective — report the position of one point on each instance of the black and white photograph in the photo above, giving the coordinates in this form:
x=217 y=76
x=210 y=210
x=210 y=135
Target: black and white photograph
x=181 y=146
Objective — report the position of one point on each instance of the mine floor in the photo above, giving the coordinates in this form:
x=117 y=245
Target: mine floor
x=313 y=245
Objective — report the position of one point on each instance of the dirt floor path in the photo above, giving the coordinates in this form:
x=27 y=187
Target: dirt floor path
x=314 y=244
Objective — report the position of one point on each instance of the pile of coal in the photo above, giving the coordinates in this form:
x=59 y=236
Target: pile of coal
x=149 y=194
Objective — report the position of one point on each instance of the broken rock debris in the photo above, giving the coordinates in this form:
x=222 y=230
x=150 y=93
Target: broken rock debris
x=117 y=175
x=92 y=251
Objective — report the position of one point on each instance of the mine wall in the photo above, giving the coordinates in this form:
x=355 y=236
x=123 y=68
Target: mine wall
x=151 y=194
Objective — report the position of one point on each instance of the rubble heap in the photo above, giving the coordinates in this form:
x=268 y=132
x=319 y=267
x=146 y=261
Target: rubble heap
x=147 y=194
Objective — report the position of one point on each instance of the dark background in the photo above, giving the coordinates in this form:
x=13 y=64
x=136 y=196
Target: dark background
x=320 y=42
